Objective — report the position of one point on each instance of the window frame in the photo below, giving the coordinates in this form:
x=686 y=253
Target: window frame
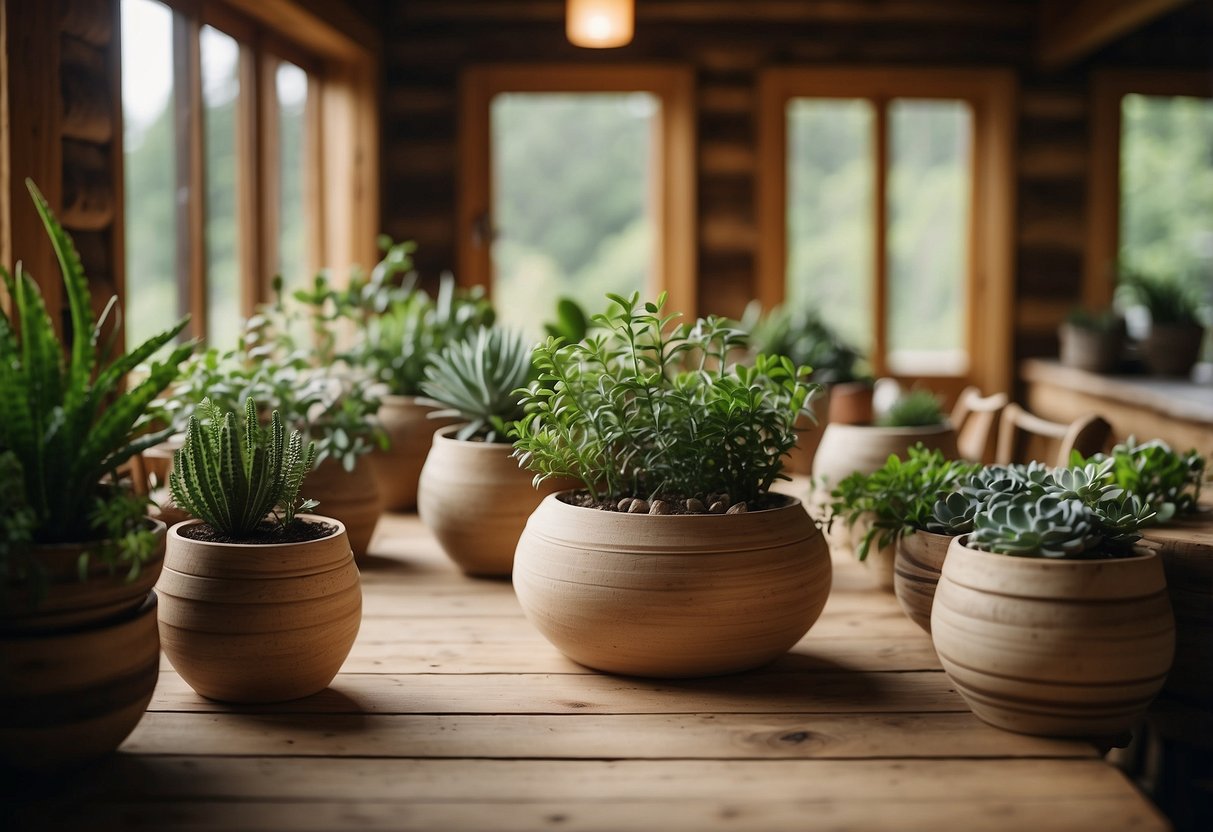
x=674 y=177
x=1108 y=89
x=992 y=95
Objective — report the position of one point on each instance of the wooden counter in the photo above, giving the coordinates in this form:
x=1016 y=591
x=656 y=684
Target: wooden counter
x=1147 y=407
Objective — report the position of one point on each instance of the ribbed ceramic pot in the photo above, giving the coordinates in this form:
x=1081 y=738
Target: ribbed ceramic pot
x=476 y=500
x=1172 y=349
x=349 y=496
x=671 y=596
x=916 y=571
x=259 y=622
x=71 y=696
x=1050 y=647
x=69 y=602
x=410 y=434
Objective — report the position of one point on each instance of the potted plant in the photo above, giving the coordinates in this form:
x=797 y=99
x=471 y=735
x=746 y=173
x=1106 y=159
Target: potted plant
x=675 y=559
x=1047 y=618
x=79 y=652
x=1092 y=341
x=260 y=602
x=470 y=471
x=1172 y=344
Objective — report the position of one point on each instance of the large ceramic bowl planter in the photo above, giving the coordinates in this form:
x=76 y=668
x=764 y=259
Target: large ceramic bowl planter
x=259 y=622
x=410 y=433
x=671 y=596
x=916 y=571
x=351 y=497
x=1054 y=647
x=475 y=499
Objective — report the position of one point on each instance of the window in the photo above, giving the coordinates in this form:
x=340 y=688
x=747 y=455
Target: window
x=884 y=201
x=538 y=222
x=222 y=163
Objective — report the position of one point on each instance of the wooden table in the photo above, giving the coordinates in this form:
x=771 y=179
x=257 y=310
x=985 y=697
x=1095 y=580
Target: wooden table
x=452 y=713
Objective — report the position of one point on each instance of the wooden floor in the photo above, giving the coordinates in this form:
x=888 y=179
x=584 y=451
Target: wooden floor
x=452 y=713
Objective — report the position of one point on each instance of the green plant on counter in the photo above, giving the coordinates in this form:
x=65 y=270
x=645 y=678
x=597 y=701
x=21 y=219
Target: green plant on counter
x=571 y=324
x=803 y=336
x=1168 y=301
x=917 y=408
x=232 y=478
x=1167 y=481
x=646 y=408
x=477 y=381
x=1104 y=321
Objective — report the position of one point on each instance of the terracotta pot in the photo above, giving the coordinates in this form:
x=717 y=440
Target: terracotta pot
x=259 y=623
x=851 y=403
x=808 y=436
x=1093 y=350
x=410 y=432
x=671 y=596
x=349 y=496
x=916 y=570
x=1054 y=647
x=70 y=602
x=1172 y=349
x=72 y=696
x=475 y=499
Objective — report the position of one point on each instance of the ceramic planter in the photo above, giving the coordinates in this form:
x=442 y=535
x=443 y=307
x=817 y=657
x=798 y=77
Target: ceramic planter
x=349 y=496
x=259 y=623
x=475 y=499
x=72 y=696
x=671 y=596
x=1093 y=350
x=410 y=433
x=851 y=403
x=878 y=564
x=1054 y=647
x=1172 y=349
x=808 y=436
x=916 y=570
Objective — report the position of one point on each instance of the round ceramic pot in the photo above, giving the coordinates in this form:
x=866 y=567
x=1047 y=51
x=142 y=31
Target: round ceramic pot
x=69 y=602
x=259 y=622
x=671 y=596
x=475 y=499
x=351 y=497
x=410 y=432
x=878 y=563
x=1093 y=350
x=72 y=696
x=1054 y=647
x=808 y=436
x=851 y=403
x=916 y=571
x=1172 y=349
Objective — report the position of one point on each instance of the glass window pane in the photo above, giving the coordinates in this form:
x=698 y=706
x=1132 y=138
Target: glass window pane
x=220 y=94
x=293 y=261
x=1166 y=188
x=929 y=195
x=150 y=166
x=571 y=200
x=829 y=212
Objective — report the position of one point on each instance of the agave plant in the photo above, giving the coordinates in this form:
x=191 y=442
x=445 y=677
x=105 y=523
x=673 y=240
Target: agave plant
x=232 y=479
x=67 y=418
x=477 y=381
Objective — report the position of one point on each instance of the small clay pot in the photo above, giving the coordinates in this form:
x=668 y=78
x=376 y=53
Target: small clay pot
x=1172 y=349
x=808 y=435
x=851 y=403
x=1093 y=350
x=410 y=432
x=916 y=571
x=349 y=496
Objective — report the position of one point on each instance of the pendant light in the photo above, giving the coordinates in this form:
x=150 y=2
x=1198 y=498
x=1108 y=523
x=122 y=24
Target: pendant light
x=600 y=24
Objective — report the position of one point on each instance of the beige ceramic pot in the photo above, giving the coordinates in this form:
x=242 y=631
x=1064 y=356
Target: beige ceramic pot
x=259 y=623
x=475 y=499
x=808 y=436
x=878 y=564
x=671 y=596
x=349 y=496
x=70 y=602
x=1172 y=349
x=410 y=433
x=1054 y=647
x=72 y=696
x=916 y=570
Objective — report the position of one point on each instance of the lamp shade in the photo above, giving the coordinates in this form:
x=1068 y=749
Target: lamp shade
x=600 y=24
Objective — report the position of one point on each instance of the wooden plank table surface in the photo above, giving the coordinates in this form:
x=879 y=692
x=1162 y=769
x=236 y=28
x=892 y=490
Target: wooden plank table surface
x=452 y=713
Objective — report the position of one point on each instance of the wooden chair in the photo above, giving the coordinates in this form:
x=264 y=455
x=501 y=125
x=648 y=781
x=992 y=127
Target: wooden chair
x=1023 y=436
x=974 y=417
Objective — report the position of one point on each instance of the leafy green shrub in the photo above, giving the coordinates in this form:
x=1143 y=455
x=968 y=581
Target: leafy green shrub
x=232 y=479
x=478 y=380
x=900 y=496
x=803 y=336
x=68 y=421
x=1167 y=481
x=17 y=523
x=570 y=324
x=1106 y=321
x=1169 y=301
x=645 y=408
x=917 y=408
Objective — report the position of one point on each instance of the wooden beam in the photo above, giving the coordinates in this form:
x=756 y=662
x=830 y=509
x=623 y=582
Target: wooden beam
x=1072 y=29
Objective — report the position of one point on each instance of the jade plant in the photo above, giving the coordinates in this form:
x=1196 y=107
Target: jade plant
x=917 y=408
x=68 y=415
x=232 y=478
x=651 y=412
x=477 y=381
x=1166 y=480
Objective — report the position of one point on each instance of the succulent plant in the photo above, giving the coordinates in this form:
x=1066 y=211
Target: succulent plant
x=1167 y=481
x=917 y=408
x=1088 y=483
x=1046 y=526
x=477 y=380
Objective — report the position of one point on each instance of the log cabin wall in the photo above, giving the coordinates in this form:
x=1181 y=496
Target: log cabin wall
x=727 y=42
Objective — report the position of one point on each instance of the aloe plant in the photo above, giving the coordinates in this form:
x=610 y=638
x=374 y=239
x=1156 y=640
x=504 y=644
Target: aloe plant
x=63 y=412
x=231 y=478
x=477 y=381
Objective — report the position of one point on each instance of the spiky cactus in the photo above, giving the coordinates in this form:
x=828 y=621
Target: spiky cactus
x=233 y=479
x=476 y=380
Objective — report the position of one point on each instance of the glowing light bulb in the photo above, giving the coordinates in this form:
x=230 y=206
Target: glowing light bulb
x=599 y=24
